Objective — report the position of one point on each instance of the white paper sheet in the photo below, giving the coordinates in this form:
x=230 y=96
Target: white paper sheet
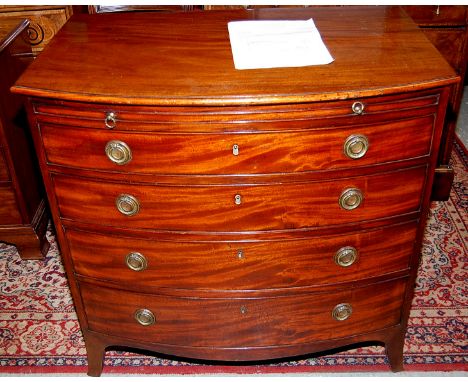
x=273 y=44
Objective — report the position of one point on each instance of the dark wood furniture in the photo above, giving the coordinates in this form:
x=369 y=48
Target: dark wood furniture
x=44 y=21
x=23 y=217
x=446 y=27
x=139 y=8
x=221 y=214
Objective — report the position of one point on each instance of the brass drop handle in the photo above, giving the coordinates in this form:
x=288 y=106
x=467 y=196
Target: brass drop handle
x=342 y=312
x=346 y=256
x=356 y=146
x=351 y=198
x=357 y=108
x=127 y=204
x=110 y=120
x=145 y=317
x=136 y=261
x=118 y=152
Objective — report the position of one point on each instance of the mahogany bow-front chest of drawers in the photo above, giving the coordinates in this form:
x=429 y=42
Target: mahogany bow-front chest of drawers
x=238 y=215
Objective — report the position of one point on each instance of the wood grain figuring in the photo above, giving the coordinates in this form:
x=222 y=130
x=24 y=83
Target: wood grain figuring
x=169 y=74
x=44 y=22
x=262 y=265
x=251 y=117
x=273 y=207
x=239 y=248
x=220 y=322
x=257 y=153
x=247 y=119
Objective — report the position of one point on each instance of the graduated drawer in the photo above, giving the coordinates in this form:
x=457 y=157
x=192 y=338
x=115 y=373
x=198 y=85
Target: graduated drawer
x=9 y=213
x=232 y=118
x=4 y=173
x=237 y=153
x=239 y=207
x=148 y=264
x=242 y=322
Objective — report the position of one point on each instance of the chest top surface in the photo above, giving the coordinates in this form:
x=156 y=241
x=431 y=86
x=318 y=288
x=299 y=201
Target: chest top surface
x=186 y=59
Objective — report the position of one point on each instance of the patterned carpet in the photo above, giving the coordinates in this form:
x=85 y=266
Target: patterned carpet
x=39 y=332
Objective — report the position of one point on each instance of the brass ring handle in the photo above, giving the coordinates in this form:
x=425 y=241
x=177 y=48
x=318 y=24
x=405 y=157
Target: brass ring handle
x=357 y=108
x=136 y=261
x=346 y=256
x=145 y=317
x=127 y=204
x=356 y=146
x=351 y=198
x=118 y=152
x=110 y=120
x=342 y=312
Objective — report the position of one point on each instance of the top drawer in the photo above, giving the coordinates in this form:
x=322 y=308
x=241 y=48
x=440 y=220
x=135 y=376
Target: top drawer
x=237 y=119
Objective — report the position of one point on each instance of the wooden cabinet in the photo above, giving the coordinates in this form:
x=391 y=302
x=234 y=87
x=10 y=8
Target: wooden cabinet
x=23 y=217
x=446 y=26
x=139 y=8
x=44 y=21
x=239 y=215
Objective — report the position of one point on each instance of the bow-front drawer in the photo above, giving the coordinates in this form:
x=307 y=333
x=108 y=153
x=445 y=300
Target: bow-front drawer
x=238 y=153
x=242 y=322
x=232 y=118
x=240 y=207
x=138 y=263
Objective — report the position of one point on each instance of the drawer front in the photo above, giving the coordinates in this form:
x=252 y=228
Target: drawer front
x=246 y=118
x=9 y=213
x=140 y=263
x=223 y=322
x=237 y=207
x=4 y=173
x=230 y=153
